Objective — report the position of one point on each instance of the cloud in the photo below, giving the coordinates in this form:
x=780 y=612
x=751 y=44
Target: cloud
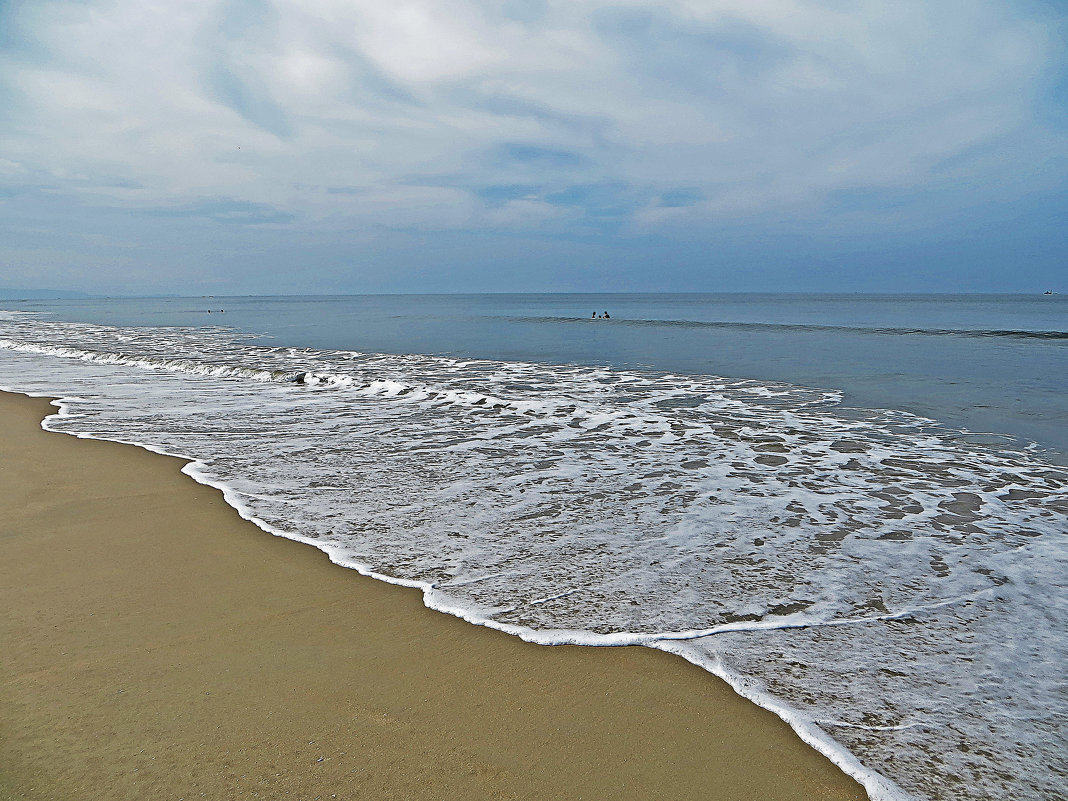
x=670 y=117
x=226 y=211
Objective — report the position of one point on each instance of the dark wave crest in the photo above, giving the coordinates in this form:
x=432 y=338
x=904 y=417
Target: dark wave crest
x=877 y=330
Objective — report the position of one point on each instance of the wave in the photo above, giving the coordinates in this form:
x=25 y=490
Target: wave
x=214 y=365
x=149 y=362
x=1007 y=333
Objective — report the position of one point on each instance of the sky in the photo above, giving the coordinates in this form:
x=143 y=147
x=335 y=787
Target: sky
x=351 y=146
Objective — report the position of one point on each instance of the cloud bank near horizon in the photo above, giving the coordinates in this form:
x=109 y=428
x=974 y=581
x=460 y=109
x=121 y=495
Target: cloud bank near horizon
x=222 y=144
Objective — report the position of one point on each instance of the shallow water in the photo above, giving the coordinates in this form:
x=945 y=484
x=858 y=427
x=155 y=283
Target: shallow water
x=893 y=587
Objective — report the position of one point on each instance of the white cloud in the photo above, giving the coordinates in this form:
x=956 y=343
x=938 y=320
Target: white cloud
x=413 y=105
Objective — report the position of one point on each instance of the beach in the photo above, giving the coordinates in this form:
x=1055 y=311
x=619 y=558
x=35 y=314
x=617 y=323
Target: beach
x=158 y=646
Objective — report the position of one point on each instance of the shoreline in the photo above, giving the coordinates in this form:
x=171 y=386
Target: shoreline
x=161 y=646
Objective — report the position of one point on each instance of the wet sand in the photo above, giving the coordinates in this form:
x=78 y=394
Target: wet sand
x=154 y=645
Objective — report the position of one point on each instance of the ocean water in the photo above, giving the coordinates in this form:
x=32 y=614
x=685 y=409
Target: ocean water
x=853 y=508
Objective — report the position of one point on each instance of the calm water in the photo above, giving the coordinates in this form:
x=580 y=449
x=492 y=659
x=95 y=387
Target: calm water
x=854 y=509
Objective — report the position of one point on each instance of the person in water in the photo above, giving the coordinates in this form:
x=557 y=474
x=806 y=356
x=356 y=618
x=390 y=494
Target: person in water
x=593 y=316
x=606 y=316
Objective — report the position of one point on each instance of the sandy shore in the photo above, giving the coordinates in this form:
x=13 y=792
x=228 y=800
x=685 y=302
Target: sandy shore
x=154 y=645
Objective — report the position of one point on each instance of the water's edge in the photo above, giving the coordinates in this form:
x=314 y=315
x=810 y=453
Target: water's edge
x=877 y=786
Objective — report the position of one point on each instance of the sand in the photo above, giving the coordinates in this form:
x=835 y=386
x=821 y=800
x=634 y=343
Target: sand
x=153 y=645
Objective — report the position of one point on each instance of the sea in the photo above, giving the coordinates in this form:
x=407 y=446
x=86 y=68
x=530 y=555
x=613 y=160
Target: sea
x=852 y=508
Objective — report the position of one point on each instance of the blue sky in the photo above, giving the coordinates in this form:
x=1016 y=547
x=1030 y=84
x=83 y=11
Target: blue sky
x=258 y=146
